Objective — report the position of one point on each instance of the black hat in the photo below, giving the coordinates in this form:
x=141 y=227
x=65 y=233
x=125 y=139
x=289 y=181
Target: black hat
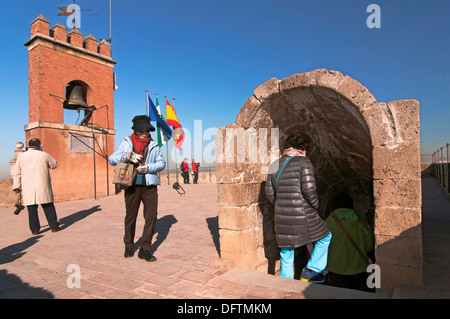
x=140 y=122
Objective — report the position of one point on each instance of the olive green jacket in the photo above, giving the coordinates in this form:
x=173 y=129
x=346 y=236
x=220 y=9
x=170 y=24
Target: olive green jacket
x=343 y=258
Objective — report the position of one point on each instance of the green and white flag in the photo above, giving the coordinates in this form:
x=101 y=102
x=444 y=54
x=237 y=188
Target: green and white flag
x=162 y=138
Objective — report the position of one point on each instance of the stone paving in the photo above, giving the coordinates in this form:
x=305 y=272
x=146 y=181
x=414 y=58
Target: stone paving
x=91 y=237
x=185 y=243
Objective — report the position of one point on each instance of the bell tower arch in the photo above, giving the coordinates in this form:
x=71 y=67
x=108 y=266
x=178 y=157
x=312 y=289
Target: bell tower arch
x=69 y=74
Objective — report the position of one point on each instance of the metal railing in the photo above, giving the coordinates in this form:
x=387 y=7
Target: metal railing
x=441 y=166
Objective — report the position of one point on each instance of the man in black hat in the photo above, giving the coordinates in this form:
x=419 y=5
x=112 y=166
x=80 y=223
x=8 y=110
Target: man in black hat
x=140 y=149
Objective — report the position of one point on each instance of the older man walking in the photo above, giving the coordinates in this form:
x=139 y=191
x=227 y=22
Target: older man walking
x=32 y=178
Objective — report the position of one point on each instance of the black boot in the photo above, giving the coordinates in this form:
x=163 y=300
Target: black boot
x=128 y=252
x=146 y=255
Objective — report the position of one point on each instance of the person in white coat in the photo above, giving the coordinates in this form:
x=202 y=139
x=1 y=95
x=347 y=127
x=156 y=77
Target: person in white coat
x=32 y=178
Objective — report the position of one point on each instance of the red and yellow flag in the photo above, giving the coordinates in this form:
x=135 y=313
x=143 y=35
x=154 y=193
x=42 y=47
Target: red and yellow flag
x=172 y=120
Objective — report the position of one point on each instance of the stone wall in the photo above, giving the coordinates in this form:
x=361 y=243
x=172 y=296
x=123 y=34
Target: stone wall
x=362 y=147
x=7 y=197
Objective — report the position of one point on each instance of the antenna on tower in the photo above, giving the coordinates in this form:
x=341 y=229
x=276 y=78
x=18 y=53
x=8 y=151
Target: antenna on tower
x=109 y=39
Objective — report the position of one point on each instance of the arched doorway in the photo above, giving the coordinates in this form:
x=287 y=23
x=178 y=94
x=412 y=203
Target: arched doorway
x=341 y=148
x=362 y=147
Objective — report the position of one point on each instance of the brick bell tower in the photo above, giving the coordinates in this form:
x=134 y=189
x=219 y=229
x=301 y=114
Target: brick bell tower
x=69 y=73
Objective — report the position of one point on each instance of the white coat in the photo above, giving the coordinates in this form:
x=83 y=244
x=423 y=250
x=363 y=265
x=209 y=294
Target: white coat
x=32 y=175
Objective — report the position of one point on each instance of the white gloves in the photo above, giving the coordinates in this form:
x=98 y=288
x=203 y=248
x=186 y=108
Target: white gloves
x=133 y=157
x=143 y=169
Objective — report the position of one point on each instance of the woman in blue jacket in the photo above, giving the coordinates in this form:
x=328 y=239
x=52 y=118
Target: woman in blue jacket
x=140 y=149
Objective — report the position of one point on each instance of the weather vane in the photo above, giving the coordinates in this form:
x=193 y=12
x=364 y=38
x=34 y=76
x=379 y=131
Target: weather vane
x=73 y=11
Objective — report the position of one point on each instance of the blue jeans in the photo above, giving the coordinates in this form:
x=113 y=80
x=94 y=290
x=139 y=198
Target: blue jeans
x=317 y=262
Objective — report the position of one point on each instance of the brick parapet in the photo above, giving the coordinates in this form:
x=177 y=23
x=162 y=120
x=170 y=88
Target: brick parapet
x=40 y=29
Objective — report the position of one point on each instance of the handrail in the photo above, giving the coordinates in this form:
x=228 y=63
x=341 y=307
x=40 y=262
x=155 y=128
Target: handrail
x=441 y=156
x=441 y=167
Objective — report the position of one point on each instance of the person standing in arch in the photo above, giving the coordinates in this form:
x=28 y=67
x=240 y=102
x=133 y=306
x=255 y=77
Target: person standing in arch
x=351 y=247
x=291 y=188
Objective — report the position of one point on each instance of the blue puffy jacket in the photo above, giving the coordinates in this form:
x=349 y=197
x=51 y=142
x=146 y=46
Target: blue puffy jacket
x=155 y=159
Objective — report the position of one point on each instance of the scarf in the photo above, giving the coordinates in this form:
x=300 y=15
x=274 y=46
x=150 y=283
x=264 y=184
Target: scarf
x=140 y=144
x=292 y=152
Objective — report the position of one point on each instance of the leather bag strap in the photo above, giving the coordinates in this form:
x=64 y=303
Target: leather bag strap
x=366 y=260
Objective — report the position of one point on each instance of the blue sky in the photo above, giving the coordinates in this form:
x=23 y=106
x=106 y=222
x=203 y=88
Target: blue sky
x=211 y=54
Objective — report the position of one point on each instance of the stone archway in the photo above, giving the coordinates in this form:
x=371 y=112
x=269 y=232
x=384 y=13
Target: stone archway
x=366 y=148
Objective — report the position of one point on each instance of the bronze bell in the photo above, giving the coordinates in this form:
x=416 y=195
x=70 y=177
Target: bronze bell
x=76 y=99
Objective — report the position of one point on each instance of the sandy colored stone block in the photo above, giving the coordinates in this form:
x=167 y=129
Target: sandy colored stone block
x=394 y=275
x=393 y=122
x=398 y=192
x=247 y=111
x=400 y=250
x=406 y=114
x=381 y=126
x=240 y=218
x=239 y=194
x=253 y=260
x=240 y=241
x=355 y=92
x=398 y=161
x=266 y=89
x=228 y=173
x=398 y=221
x=294 y=81
x=326 y=78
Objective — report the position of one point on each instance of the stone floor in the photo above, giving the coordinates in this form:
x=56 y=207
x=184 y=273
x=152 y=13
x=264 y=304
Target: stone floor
x=186 y=245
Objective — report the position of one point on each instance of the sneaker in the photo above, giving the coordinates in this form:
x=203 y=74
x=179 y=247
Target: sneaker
x=128 y=252
x=146 y=255
x=309 y=275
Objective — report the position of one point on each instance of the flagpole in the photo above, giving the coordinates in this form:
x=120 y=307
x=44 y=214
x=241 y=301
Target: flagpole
x=110 y=35
x=176 y=164
x=146 y=102
x=174 y=133
x=167 y=149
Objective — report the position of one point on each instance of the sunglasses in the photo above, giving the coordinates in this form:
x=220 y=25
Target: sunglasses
x=143 y=131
